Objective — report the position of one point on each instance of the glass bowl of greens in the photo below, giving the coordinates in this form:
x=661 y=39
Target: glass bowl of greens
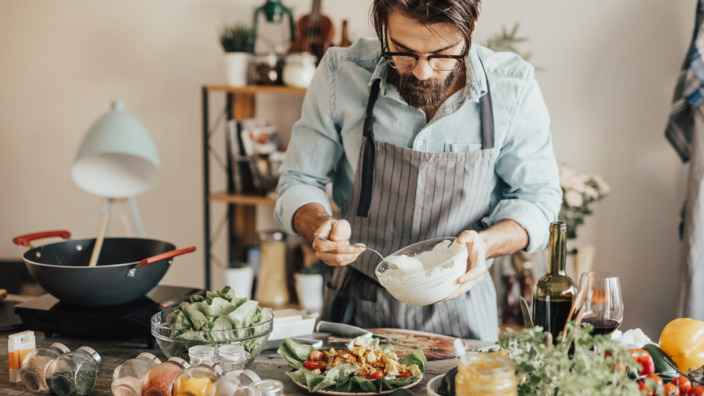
x=217 y=319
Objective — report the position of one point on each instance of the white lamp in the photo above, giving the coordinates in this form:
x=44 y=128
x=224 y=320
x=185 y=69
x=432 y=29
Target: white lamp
x=117 y=159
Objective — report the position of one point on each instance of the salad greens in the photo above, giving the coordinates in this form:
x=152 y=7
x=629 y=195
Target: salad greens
x=578 y=366
x=203 y=319
x=341 y=378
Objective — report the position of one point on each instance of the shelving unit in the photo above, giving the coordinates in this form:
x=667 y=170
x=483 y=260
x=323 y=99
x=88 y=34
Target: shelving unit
x=240 y=215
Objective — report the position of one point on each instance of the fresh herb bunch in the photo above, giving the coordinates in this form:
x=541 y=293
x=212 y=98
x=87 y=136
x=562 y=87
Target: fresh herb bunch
x=556 y=370
x=507 y=40
x=237 y=38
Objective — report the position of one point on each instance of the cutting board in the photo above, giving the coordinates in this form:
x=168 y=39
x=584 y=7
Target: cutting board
x=435 y=346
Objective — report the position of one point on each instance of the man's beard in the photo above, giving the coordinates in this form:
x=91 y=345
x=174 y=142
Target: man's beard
x=431 y=96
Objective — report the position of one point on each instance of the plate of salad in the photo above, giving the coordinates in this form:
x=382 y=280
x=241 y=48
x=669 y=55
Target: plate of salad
x=362 y=368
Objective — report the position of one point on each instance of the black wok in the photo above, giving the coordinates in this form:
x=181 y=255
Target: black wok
x=127 y=268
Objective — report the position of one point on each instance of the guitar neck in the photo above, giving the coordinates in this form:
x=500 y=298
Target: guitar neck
x=315 y=12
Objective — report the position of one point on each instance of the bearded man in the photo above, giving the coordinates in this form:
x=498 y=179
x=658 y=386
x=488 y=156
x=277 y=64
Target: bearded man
x=421 y=134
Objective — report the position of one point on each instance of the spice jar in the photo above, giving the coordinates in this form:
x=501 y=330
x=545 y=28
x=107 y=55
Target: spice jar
x=267 y=387
x=35 y=364
x=236 y=383
x=159 y=380
x=197 y=380
x=201 y=353
x=232 y=357
x=127 y=377
x=487 y=374
x=74 y=373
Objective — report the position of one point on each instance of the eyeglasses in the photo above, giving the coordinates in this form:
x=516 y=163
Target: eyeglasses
x=407 y=61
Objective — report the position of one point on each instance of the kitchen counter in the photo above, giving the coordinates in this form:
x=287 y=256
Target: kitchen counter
x=113 y=352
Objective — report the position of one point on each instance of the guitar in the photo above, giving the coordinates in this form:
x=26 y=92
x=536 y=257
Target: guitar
x=315 y=33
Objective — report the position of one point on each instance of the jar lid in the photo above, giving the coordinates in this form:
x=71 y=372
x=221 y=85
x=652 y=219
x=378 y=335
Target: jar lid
x=268 y=387
x=179 y=361
x=149 y=356
x=93 y=354
x=61 y=347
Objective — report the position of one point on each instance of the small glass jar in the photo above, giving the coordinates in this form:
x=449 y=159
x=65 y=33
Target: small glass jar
x=74 y=373
x=232 y=357
x=159 y=380
x=127 y=377
x=201 y=353
x=266 y=69
x=236 y=383
x=197 y=380
x=34 y=365
x=490 y=374
x=267 y=387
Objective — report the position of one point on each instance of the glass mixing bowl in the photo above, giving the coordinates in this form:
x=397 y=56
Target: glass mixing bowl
x=425 y=272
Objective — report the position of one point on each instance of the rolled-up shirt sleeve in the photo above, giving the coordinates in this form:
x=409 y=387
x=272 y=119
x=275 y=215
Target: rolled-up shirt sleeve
x=313 y=152
x=529 y=191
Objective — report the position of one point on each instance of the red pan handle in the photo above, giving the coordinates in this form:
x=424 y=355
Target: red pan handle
x=166 y=255
x=24 y=240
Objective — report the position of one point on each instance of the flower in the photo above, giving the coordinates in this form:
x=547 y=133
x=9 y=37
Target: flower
x=579 y=191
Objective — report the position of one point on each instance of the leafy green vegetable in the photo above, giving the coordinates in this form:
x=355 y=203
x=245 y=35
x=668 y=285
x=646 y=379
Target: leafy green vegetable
x=218 y=318
x=342 y=377
x=557 y=370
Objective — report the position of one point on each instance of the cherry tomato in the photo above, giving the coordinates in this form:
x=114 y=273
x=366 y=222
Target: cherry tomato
x=317 y=355
x=645 y=389
x=642 y=357
x=671 y=390
x=311 y=365
x=401 y=375
x=655 y=378
x=696 y=391
x=683 y=383
x=376 y=375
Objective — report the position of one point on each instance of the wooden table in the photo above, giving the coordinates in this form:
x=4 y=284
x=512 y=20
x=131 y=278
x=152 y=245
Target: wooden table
x=114 y=352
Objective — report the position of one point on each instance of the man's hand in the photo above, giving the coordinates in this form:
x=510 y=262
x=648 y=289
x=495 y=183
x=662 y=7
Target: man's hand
x=337 y=251
x=476 y=262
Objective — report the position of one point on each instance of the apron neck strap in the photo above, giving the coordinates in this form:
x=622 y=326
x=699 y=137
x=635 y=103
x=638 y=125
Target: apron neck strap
x=487 y=120
x=368 y=155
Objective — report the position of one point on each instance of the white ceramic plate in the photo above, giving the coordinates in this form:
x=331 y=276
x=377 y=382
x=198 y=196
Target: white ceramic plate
x=335 y=393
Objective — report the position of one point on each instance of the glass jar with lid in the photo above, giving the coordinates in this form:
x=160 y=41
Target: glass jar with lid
x=491 y=374
x=127 y=377
x=159 y=380
x=267 y=387
x=197 y=380
x=74 y=373
x=267 y=69
x=236 y=383
x=232 y=357
x=35 y=364
x=201 y=353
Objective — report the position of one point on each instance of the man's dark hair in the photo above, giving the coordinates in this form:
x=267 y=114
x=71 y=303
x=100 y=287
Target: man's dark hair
x=462 y=14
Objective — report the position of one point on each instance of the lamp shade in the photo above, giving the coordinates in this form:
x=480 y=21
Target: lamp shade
x=117 y=157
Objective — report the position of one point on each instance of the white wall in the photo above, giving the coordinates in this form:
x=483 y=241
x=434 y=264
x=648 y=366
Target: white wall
x=609 y=71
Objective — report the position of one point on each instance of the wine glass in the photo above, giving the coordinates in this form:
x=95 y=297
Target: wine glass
x=599 y=301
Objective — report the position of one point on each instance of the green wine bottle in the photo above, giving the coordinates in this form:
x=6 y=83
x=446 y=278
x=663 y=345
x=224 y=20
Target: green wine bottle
x=555 y=291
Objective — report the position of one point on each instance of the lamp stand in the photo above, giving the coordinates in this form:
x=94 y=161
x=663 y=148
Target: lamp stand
x=107 y=207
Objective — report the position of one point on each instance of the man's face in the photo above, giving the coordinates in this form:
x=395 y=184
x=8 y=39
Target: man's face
x=423 y=87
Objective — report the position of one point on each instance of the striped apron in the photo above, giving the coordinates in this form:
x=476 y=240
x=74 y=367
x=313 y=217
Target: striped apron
x=401 y=196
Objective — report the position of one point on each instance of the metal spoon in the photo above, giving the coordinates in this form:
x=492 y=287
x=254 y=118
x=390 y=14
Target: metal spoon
x=351 y=244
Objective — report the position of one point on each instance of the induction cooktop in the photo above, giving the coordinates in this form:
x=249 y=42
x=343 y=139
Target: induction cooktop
x=130 y=320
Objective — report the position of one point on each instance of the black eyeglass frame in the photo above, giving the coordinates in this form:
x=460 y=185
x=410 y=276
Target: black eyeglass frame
x=388 y=55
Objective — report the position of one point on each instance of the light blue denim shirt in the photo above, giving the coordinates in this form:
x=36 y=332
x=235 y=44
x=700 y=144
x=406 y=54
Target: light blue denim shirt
x=325 y=142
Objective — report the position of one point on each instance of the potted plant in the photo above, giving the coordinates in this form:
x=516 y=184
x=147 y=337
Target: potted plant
x=309 y=285
x=237 y=41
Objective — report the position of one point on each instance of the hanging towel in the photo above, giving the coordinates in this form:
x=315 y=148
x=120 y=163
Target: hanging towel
x=691 y=282
x=689 y=91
